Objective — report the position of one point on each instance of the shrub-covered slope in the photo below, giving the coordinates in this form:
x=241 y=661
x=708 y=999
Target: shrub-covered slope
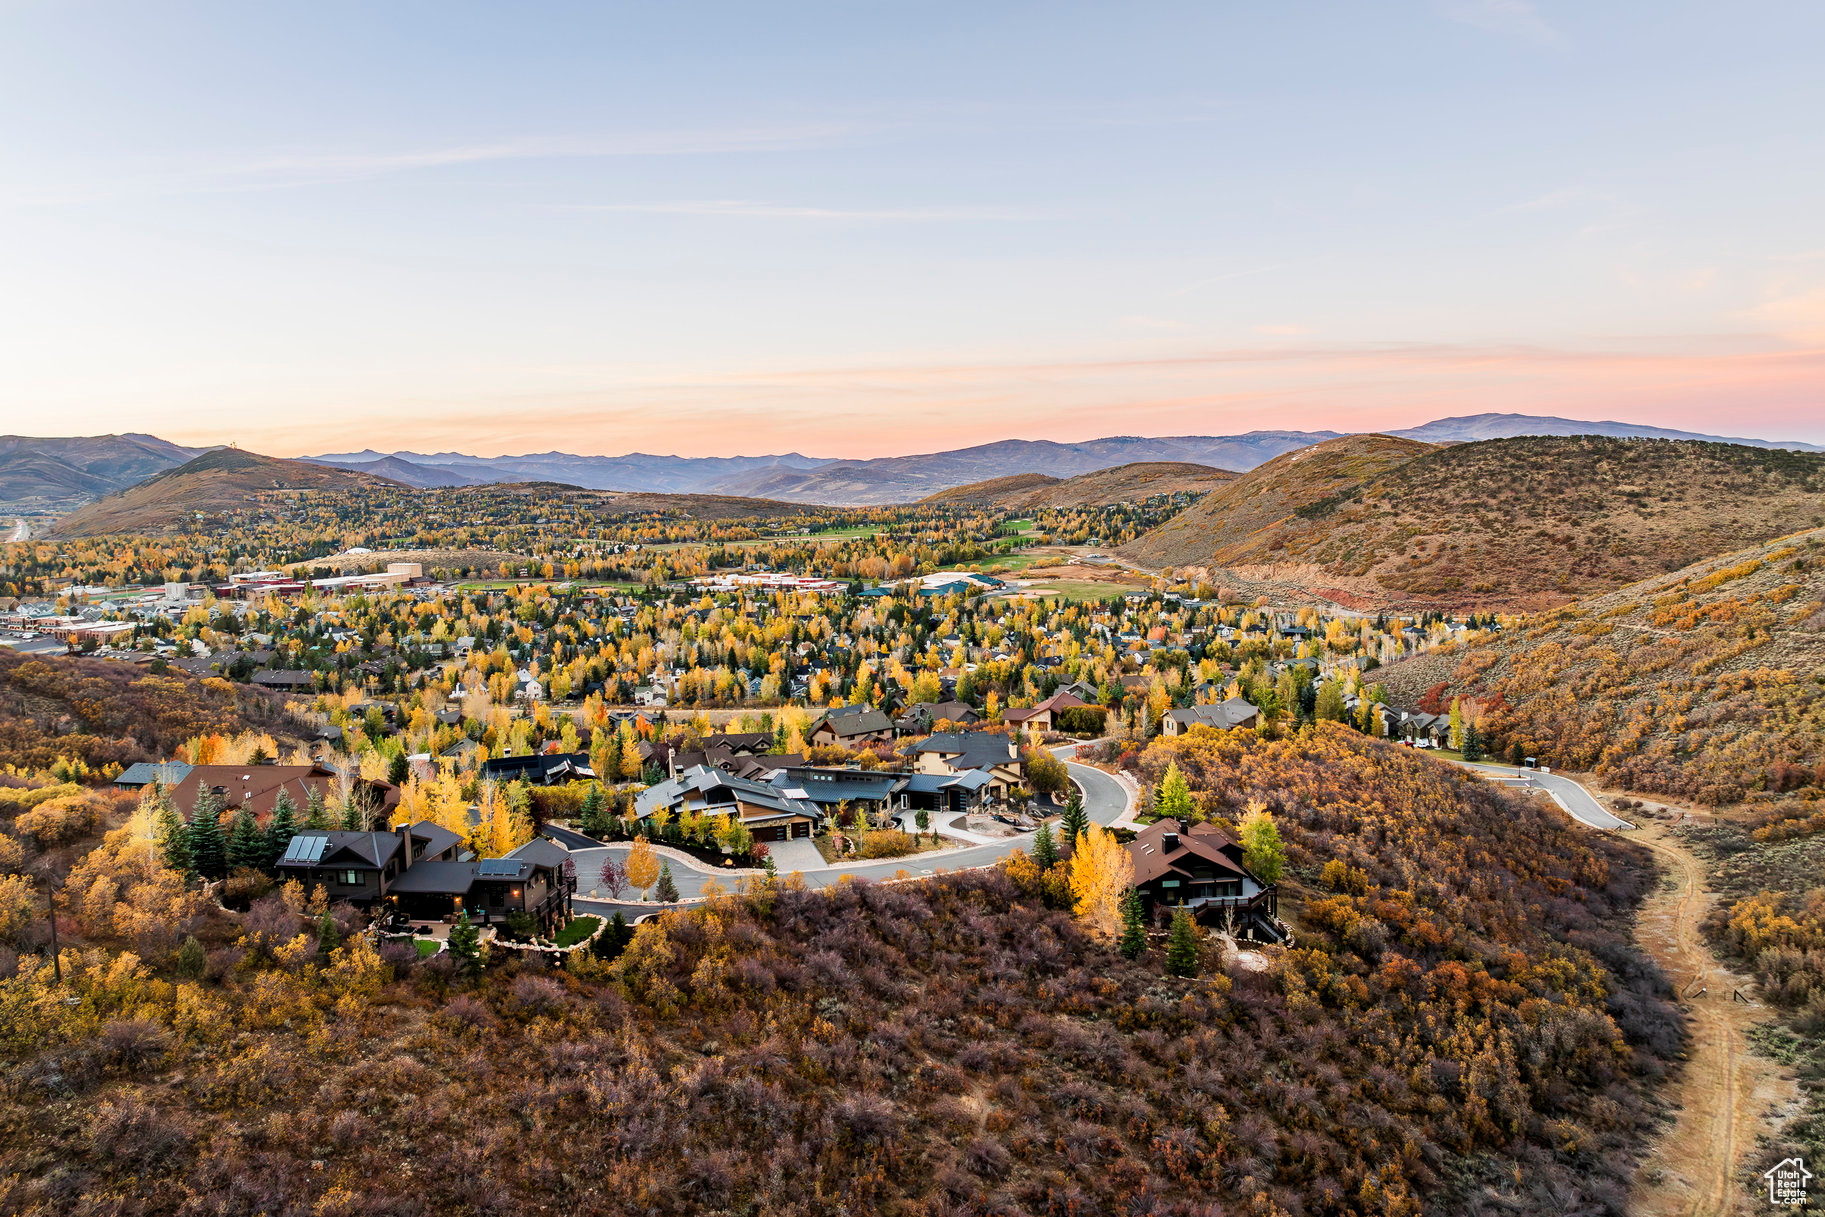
x=1708 y=683
x=1463 y=1024
x=103 y=712
x=1515 y=523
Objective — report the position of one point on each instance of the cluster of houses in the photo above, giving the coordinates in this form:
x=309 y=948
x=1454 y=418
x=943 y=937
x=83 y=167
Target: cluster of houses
x=418 y=872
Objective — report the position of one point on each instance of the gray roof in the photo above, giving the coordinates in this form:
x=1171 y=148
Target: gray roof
x=170 y=773
x=702 y=780
x=541 y=852
x=855 y=720
x=969 y=749
x=440 y=878
x=821 y=785
x=371 y=848
x=1232 y=712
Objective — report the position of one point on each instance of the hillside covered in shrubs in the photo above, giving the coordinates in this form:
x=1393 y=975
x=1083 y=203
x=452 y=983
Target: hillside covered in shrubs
x=1708 y=683
x=1524 y=523
x=1461 y=1028
x=105 y=713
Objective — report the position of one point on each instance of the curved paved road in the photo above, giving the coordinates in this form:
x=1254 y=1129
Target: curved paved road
x=1104 y=801
x=1579 y=803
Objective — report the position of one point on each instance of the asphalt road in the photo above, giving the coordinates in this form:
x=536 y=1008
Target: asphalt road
x=1104 y=802
x=1578 y=802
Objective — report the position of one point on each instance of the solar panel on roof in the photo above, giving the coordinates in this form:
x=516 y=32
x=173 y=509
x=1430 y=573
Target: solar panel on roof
x=305 y=849
x=498 y=867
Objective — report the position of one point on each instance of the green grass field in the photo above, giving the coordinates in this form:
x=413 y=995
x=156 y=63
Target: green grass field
x=1078 y=590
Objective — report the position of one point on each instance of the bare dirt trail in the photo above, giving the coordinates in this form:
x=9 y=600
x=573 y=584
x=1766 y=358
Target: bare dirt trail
x=1725 y=1089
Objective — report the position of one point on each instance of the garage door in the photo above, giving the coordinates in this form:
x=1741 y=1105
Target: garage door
x=770 y=832
x=802 y=828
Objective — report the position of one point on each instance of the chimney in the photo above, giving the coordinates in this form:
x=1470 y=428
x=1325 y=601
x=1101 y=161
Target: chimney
x=405 y=843
x=1169 y=842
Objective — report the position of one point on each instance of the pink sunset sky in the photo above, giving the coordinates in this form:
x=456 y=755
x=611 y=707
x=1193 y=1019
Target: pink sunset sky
x=713 y=229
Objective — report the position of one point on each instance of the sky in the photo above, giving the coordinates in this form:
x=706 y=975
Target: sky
x=862 y=229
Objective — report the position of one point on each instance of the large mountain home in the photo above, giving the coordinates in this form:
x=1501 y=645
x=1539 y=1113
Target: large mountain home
x=883 y=790
x=361 y=867
x=767 y=811
x=531 y=880
x=950 y=754
x=1225 y=715
x=1201 y=868
x=850 y=725
x=257 y=787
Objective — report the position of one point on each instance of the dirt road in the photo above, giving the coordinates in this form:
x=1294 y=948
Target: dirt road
x=1697 y=1167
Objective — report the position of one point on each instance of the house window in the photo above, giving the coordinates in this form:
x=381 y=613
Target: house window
x=352 y=878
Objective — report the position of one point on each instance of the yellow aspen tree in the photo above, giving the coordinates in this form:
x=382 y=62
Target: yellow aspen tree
x=1101 y=872
x=642 y=865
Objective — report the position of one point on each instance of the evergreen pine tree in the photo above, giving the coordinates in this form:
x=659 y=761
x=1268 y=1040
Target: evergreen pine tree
x=399 y=769
x=1134 y=925
x=612 y=941
x=1182 y=946
x=1473 y=742
x=666 y=891
x=246 y=843
x=465 y=945
x=591 y=819
x=281 y=827
x=1075 y=822
x=1045 y=849
x=767 y=864
x=1173 y=802
x=191 y=959
x=353 y=817
x=208 y=848
x=173 y=836
x=328 y=936
x=316 y=811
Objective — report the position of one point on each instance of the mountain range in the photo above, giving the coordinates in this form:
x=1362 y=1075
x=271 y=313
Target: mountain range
x=53 y=476
x=796 y=478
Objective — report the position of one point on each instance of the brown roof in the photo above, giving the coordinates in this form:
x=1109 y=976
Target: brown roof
x=1200 y=842
x=258 y=786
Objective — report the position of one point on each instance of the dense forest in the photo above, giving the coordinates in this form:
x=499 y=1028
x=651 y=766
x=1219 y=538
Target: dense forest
x=1461 y=1028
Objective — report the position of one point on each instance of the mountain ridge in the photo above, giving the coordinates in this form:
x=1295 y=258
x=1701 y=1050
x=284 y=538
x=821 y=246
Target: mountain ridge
x=1527 y=522
x=224 y=481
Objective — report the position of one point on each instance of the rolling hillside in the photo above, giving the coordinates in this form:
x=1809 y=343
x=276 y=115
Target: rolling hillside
x=1526 y=523
x=1121 y=484
x=1707 y=682
x=228 y=481
x=39 y=475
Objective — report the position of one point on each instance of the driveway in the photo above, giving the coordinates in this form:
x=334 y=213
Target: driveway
x=796 y=855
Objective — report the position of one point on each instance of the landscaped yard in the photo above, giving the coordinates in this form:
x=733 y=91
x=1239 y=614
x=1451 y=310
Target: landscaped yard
x=426 y=946
x=578 y=929
x=925 y=845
